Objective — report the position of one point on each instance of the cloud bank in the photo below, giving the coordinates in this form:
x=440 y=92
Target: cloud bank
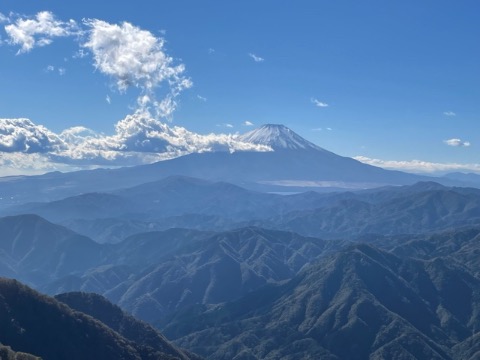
x=138 y=139
x=419 y=166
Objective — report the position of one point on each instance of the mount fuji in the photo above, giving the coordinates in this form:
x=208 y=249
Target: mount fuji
x=278 y=137
x=293 y=164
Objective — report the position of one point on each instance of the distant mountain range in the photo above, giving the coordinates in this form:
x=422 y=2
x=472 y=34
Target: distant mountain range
x=204 y=205
x=294 y=164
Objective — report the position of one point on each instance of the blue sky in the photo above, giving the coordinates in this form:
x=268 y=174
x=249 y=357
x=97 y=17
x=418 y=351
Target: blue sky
x=387 y=80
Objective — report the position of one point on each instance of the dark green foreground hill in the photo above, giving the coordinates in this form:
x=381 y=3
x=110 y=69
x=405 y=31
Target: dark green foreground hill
x=40 y=325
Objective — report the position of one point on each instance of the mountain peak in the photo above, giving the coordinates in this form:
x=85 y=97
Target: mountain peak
x=278 y=137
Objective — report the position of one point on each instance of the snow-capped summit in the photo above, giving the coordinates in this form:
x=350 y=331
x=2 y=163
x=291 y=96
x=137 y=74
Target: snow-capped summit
x=278 y=137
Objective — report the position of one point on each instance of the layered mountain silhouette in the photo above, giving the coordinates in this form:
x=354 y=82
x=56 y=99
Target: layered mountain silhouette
x=293 y=164
x=186 y=202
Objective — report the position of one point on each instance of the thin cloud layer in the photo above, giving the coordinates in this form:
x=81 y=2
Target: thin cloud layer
x=449 y=113
x=38 y=31
x=418 y=166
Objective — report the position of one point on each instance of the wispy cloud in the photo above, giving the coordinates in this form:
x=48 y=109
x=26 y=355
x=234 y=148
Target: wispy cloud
x=419 y=166
x=457 y=142
x=247 y=123
x=449 y=113
x=318 y=103
x=211 y=50
x=317 y=129
x=4 y=18
x=256 y=58
x=38 y=31
x=201 y=98
x=50 y=68
x=108 y=99
x=227 y=125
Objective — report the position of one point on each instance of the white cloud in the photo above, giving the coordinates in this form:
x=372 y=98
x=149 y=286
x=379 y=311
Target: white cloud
x=38 y=31
x=22 y=135
x=457 y=142
x=247 y=123
x=50 y=68
x=201 y=98
x=256 y=58
x=107 y=99
x=62 y=71
x=138 y=139
x=419 y=166
x=318 y=103
x=329 y=129
x=449 y=113
x=135 y=57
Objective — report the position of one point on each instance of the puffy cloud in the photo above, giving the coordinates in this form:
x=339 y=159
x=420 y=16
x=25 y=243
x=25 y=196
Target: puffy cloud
x=135 y=57
x=38 y=31
x=318 y=103
x=457 y=142
x=256 y=58
x=449 y=113
x=418 y=166
x=138 y=139
x=22 y=135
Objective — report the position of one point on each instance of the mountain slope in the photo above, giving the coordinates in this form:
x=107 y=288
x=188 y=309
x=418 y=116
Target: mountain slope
x=38 y=251
x=126 y=325
x=360 y=303
x=153 y=274
x=40 y=325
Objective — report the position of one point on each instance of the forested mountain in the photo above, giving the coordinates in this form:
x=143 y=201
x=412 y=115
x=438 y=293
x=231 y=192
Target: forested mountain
x=359 y=303
x=40 y=325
